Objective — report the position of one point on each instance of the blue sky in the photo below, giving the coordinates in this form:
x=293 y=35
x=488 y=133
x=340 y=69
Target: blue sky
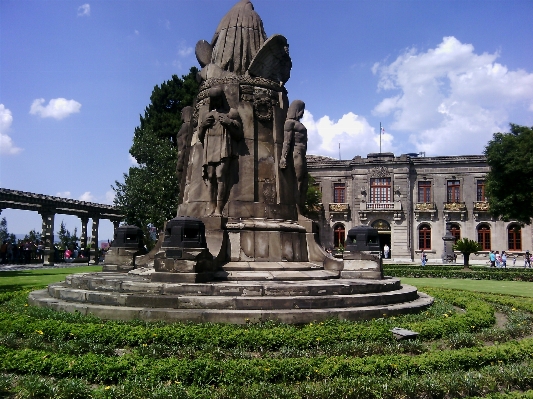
x=441 y=76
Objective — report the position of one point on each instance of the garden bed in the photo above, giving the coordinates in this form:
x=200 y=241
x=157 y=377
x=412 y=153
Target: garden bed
x=462 y=350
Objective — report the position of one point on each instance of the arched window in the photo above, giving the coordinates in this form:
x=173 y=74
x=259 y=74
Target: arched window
x=483 y=236
x=455 y=229
x=424 y=237
x=338 y=235
x=514 y=237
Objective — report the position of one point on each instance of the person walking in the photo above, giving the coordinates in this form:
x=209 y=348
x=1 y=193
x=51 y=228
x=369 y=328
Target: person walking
x=423 y=258
x=492 y=259
x=504 y=259
x=527 y=260
x=498 y=259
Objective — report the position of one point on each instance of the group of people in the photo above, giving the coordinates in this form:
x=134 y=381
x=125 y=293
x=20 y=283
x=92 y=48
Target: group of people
x=500 y=260
x=23 y=252
x=26 y=252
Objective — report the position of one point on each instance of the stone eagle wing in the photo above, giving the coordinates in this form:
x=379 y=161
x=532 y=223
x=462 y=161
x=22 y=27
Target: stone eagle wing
x=272 y=61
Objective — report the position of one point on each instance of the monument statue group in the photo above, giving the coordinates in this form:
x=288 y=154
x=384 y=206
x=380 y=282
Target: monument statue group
x=239 y=248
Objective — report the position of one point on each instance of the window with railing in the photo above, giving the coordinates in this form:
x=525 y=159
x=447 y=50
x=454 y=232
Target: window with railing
x=483 y=237
x=455 y=230
x=424 y=237
x=454 y=191
x=339 y=193
x=424 y=191
x=380 y=190
x=338 y=235
x=481 y=195
x=514 y=237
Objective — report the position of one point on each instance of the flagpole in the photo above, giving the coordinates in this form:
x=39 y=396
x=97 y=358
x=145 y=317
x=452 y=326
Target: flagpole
x=380 y=137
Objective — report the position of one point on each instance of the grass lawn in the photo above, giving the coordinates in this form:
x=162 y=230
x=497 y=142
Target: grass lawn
x=518 y=288
x=23 y=279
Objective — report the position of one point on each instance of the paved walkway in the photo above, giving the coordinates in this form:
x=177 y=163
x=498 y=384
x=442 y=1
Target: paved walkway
x=36 y=266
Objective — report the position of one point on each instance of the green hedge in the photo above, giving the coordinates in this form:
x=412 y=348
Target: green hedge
x=65 y=355
x=476 y=273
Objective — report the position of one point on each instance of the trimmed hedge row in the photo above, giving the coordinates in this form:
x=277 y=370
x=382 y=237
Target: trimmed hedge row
x=438 y=321
x=459 y=273
x=202 y=372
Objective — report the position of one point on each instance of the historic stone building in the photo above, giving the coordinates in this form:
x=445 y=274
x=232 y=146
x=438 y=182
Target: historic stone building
x=409 y=199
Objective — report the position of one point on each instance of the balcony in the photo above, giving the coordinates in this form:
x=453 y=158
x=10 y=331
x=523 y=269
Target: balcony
x=480 y=207
x=374 y=207
x=454 y=208
x=339 y=210
x=425 y=209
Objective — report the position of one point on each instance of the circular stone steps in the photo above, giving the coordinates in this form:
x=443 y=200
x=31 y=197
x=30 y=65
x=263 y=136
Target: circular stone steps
x=122 y=296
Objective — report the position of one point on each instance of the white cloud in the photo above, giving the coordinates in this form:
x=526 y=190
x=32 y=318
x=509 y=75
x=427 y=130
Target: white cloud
x=451 y=99
x=87 y=197
x=352 y=132
x=57 y=108
x=63 y=194
x=7 y=147
x=84 y=10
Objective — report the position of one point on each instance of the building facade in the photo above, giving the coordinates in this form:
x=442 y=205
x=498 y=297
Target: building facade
x=410 y=199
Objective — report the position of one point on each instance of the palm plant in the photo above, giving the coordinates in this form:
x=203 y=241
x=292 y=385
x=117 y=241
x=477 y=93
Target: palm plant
x=467 y=247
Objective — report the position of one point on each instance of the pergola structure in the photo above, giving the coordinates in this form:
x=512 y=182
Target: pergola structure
x=48 y=206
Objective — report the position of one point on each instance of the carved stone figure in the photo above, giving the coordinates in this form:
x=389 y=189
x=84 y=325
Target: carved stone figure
x=295 y=141
x=238 y=37
x=218 y=131
x=183 y=139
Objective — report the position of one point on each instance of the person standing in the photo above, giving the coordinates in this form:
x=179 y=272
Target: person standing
x=527 y=260
x=386 y=250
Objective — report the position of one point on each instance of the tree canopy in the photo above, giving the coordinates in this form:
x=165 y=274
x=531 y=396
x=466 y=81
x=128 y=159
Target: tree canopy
x=313 y=199
x=66 y=238
x=509 y=183
x=149 y=193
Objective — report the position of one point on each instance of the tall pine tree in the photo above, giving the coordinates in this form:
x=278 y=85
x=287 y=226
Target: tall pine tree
x=150 y=190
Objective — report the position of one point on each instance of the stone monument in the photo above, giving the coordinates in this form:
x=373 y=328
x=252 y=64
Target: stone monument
x=239 y=249
x=128 y=243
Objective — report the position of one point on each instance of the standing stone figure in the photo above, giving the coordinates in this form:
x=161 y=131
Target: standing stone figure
x=219 y=131
x=295 y=140
x=183 y=142
x=183 y=139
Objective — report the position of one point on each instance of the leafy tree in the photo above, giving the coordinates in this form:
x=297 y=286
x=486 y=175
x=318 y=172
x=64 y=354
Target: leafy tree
x=467 y=247
x=66 y=239
x=4 y=234
x=509 y=183
x=150 y=190
x=313 y=199
x=33 y=237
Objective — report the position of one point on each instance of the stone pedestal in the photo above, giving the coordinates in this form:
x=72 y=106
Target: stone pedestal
x=128 y=242
x=364 y=264
x=184 y=256
x=362 y=258
x=266 y=240
x=180 y=265
x=449 y=240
